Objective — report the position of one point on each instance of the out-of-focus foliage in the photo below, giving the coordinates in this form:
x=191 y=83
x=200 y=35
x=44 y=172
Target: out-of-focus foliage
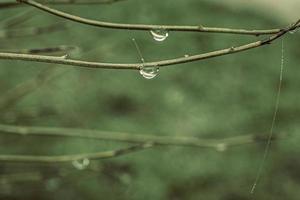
x=216 y=98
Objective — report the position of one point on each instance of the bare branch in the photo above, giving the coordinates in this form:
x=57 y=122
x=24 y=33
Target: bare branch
x=138 y=66
x=70 y=158
x=145 y=27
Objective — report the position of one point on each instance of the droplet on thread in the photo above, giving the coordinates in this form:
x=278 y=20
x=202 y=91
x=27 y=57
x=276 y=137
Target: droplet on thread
x=81 y=164
x=149 y=72
x=159 y=34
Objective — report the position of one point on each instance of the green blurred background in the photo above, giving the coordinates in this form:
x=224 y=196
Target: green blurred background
x=217 y=98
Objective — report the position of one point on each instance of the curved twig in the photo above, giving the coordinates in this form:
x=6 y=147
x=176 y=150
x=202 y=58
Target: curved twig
x=145 y=27
x=138 y=66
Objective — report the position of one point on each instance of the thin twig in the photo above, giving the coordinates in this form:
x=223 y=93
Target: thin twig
x=70 y=158
x=128 y=137
x=198 y=28
x=137 y=66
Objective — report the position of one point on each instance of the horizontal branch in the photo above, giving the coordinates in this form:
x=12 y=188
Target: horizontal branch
x=62 y=2
x=138 y=66
x=145 y=27
x=130 y=138
x=75 y=157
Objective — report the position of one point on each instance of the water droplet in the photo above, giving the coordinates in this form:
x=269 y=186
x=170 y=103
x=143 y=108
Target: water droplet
x=149 y=72
x=221 y=147
x=186 y=55
x=159 y=34
x=81 y=164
